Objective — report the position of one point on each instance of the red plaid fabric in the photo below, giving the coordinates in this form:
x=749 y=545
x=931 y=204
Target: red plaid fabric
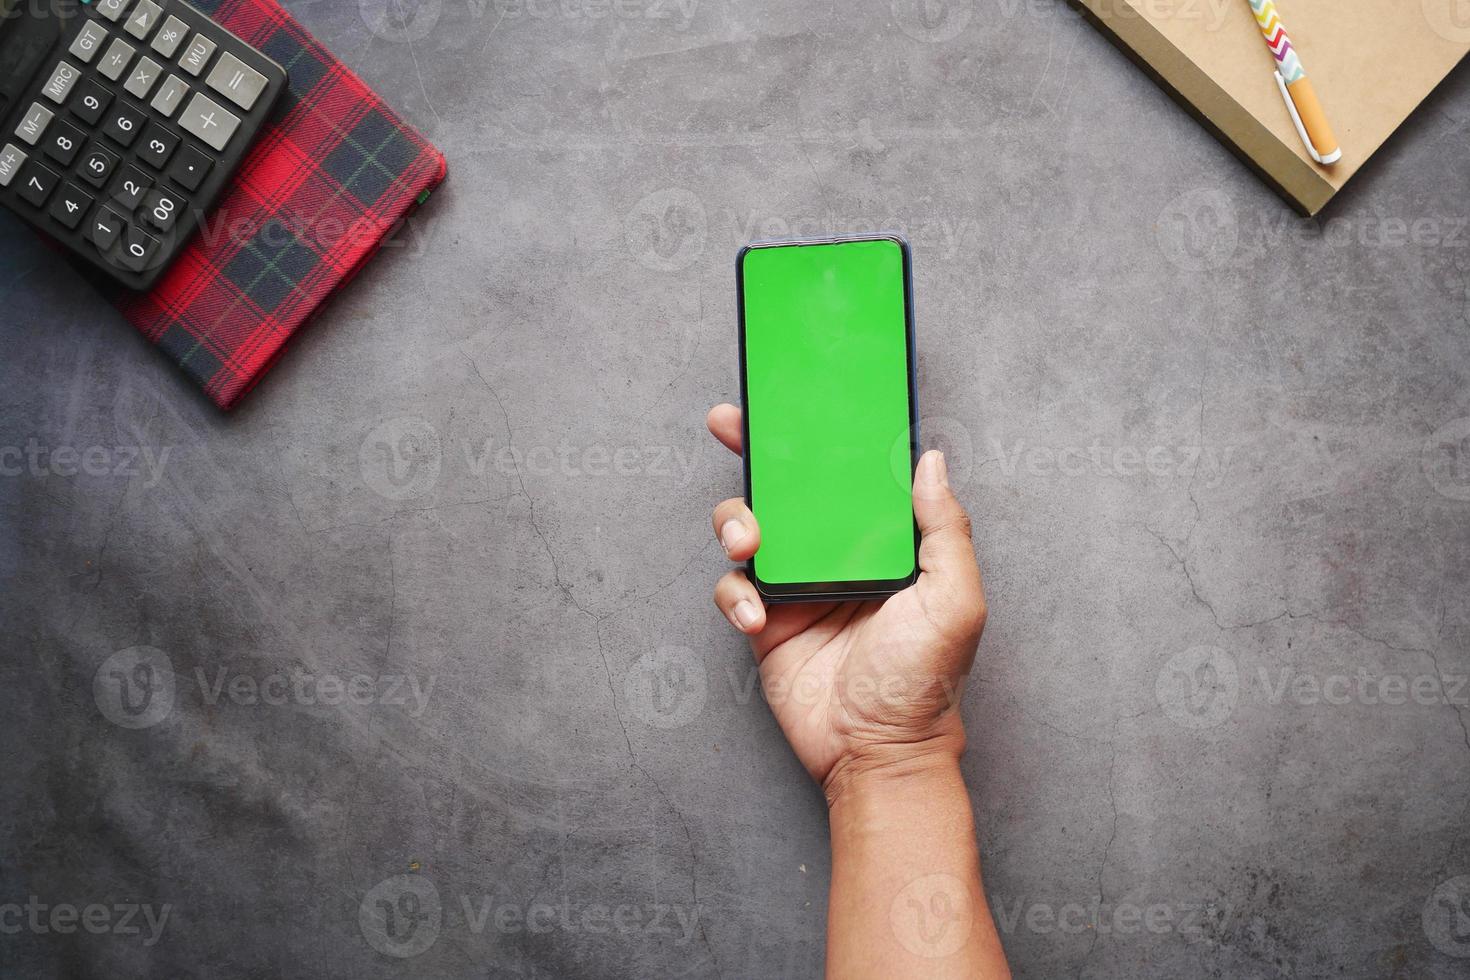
x=330 y=177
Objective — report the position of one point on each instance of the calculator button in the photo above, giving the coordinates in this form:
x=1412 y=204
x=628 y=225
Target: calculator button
x=115 y=61
x=190 y=167
x=161 y=209
x=34 y=124
x=90 y=101
x=11 y=160
x=37 y=182
x=236 y=81
x=123 y=123
x=128 y=192
x=157 y=146
x=105 y=228
x=112 y=9
x=89 y=42
x=71 y=205
x=170 y=36
x=196 y=55
x=144 y=77
x=139 y=248
x=143 y=19
x=63 y=77
x=170 y=94
x=206 y=120
x=64 y=142
x=97 y=166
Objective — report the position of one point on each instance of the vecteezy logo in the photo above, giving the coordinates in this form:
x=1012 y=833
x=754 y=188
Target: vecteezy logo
x=134 y=688
x=1197 y=230
x=667 y=229
x=1446 y=458
x=666 y=688
x=401 y=916
x=1447 y=917
x=400 y=459
x=1198 y=688
x=1450 y=19
x=933 y=21
x=401 y=20
x=932 y=916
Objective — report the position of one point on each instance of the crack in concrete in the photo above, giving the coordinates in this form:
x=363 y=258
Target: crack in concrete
x=1315 y=618
x=1107 y=848
x=113 y=520
x=597 y=620
x=392 y=603
x=1183 y=562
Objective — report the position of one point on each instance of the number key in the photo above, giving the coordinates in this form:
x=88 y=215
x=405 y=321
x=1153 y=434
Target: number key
x=90 y=102
x=97 y=166
x=139 y=249
x=190 y=167
x=64 y=142
x=161 y=209
x=71 y=205
x=157 y=146
x=130 y=188
x=37 y=182
x=105 y=228
x=123 y=124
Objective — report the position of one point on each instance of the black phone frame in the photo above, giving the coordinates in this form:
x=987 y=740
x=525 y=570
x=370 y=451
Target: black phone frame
x=772 y=592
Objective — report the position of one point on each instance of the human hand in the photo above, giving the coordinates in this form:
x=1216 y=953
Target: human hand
x=864 y=686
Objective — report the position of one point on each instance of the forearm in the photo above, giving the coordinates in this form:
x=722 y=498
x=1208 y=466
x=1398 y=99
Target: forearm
x=906 y=898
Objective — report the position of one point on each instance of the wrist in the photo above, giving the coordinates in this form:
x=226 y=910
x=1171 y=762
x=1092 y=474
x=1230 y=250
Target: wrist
x=896 y=771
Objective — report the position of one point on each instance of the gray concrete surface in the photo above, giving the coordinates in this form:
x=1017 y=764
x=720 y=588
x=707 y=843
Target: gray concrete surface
x=1217 y=456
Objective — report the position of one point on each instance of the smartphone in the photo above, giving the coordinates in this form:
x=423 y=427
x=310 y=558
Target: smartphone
x=831 y=416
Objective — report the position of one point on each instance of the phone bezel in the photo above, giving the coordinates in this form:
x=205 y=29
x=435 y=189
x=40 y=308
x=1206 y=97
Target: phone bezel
x=774 y=592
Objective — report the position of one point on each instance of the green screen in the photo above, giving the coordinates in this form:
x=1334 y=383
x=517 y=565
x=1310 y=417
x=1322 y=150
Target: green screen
x=827 y=400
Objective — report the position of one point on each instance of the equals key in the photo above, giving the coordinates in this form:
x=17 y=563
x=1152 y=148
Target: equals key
x=236 y=81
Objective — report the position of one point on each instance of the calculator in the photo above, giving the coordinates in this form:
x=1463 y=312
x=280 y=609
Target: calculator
x=120 y=123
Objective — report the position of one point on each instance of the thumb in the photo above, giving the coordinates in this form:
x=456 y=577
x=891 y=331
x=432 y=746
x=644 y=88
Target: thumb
x=946 y=552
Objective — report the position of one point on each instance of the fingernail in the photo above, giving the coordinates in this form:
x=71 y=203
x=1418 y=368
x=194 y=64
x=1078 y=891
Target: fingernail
x=936 y=471
x=746 y=614
x=732 y=532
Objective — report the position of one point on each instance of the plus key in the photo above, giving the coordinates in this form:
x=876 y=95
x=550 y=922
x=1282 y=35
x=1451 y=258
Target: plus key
x=209 y=122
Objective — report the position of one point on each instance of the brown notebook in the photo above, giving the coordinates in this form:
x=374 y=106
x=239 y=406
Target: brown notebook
x=1371 y=62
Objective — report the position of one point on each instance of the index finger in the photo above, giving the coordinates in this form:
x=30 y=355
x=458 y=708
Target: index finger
x=727 y=425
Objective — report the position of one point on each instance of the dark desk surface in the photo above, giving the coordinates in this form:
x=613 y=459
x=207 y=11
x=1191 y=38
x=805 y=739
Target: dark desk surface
x=1210 y=449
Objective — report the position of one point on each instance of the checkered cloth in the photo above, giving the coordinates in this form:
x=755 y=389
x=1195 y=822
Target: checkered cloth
x=332 y=174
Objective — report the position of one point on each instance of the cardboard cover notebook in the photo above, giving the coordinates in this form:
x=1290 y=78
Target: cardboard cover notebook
x=1371 y=62
x=332 y=174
